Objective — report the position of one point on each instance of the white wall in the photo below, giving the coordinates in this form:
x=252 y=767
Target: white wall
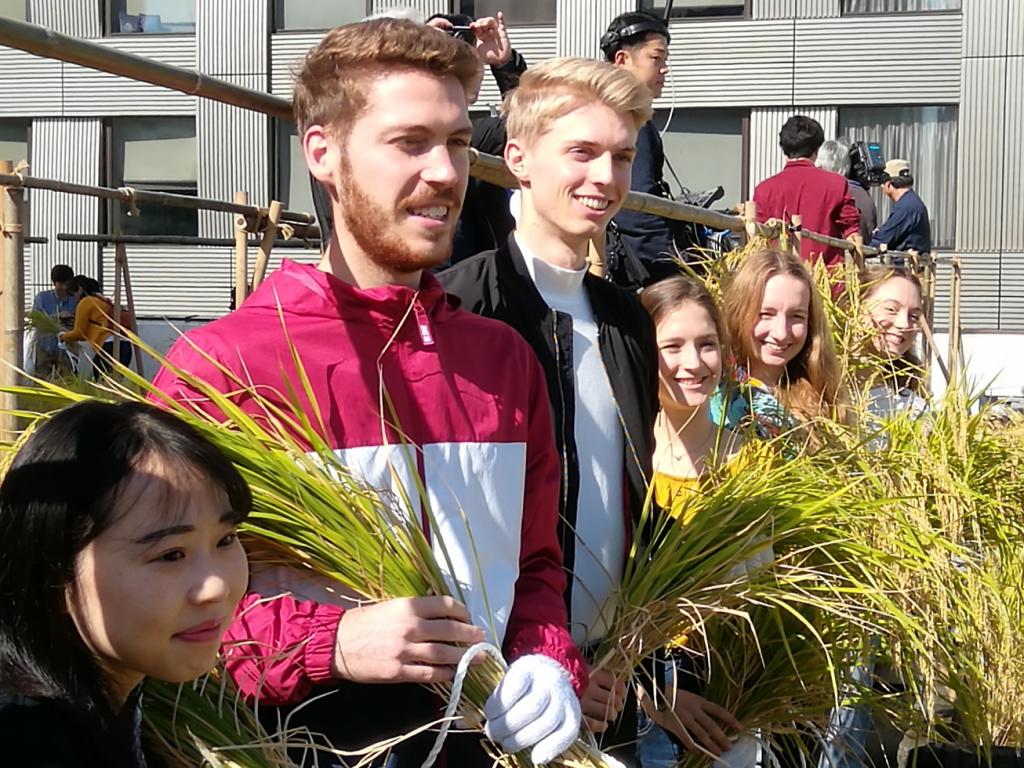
x=995 y=365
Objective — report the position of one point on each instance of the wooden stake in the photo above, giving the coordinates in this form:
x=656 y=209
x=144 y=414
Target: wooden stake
x=119 y=257
x=596 y=254
x=797 y=241
x=241 y=253
x=12 y=300
x=858 y=250
x=750 y=219
x=136 y=356
x=930 y=338
x=928 y=299
x=266 y=244
x=954 y=320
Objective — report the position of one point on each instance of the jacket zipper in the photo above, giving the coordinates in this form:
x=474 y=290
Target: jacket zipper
x=564 y=505
x=423 y=324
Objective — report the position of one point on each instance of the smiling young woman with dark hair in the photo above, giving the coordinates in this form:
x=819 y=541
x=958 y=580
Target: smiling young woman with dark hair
x=120 y=562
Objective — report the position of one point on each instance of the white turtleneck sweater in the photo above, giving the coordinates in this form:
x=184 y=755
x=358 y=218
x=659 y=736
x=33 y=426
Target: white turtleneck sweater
x=600 y=518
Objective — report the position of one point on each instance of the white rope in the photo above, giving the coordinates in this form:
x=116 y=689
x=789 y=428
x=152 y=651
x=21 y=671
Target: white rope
x=456 y=695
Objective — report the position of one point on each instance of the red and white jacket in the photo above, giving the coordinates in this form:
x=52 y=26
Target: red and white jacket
x=469 y=394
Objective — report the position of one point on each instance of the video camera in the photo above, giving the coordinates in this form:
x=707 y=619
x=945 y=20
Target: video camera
x=867 y=163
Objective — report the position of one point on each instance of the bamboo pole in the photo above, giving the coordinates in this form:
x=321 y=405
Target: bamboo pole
x=930 y=337
x=241 y=252
x=266 y=244
x=145 y=197
x=954 y=320
x=797 y=221
x=596 y=255
x=221 y=242
x=12 y=299
x=130 y=296
x=44 y=42
x=749 y=220
x=928 y=296
x=119 y=257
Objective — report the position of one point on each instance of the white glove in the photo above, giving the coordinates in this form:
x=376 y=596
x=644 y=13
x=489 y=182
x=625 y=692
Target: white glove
x=534 y=707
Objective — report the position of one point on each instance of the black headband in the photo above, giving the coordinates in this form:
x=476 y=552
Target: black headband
x=613 y=39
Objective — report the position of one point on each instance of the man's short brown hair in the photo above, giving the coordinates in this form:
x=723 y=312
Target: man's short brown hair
x=333 y=83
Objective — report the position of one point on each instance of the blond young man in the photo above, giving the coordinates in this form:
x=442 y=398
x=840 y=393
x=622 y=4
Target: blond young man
x=572 y=127
x=381 y=108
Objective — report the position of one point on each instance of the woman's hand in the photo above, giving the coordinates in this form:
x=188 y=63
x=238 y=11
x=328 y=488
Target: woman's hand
x=694 y=721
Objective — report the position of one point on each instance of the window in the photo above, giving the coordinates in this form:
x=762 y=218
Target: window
x=145 y=17
x=898 y=6
x=696 y=9
x=14 y=9
x=156 y=154
x=706 y=149
x=926 y=137
x=522 y=13
x=292 y=180
x=14 y=140
x=316 y=14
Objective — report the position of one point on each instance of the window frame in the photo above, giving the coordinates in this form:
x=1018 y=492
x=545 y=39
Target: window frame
x=108 y=217
x=745 y=15
x=843 y=13
x=456 y=7
x=276 y=11
x=109 y=31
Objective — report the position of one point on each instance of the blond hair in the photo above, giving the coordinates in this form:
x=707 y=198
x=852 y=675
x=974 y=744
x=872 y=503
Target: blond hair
x=559 y=86
x=810 y=386
x=333 y=84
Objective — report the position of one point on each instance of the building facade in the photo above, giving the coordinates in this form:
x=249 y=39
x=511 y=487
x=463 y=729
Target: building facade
x=938 y=82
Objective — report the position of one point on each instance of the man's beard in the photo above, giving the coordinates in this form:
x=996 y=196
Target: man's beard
x=370 y=225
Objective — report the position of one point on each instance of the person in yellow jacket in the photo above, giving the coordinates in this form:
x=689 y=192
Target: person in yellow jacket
x=94 y=324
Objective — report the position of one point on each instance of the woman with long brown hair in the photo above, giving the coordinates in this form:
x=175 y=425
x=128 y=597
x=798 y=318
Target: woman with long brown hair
x=786 y=369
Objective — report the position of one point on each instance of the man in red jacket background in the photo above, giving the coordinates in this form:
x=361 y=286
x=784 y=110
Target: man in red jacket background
x=381 y=109
x=821 y=198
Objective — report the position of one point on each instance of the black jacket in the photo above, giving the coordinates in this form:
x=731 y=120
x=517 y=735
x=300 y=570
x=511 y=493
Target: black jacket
x=649 y=236
x=497 y=284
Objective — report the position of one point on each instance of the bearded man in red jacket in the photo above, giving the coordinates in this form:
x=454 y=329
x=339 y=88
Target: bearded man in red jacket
x=381 y=109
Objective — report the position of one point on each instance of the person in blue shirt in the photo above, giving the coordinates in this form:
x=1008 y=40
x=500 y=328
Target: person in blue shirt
x=907 y=228
x=59 y=304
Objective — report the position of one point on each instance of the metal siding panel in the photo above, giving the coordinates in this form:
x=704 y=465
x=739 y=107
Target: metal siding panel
x=582 y=22
x=88 y=92
x=882 y=68
x=730 y=63
x=817 y=9
x=232 y=37
x=427 y=7
x=1015 y=23
x=981 y=36
x=287 y=51
x=1011 y=140
x=979 y=297
x=982 y=151
x=68 y=150
x=79 y=18
x=1011 y=303
x=177 y=281
x=535 y=43
x=773 y=9
x=766 y=158
x=233 y=147
x=31 y=86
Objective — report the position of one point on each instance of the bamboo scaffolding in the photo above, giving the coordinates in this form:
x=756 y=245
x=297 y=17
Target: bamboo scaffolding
x=220 y=242
x=241 y=253
x=266 y=244
x=12 y=299
x=45 y=42
x=954 y=320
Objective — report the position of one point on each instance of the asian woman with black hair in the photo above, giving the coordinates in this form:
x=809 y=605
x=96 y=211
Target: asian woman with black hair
x=120 y=562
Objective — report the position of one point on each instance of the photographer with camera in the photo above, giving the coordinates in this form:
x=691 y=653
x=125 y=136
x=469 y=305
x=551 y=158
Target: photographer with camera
x=907 y=228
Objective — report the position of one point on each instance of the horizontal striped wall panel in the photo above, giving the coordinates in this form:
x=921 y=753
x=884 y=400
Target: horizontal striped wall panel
x=177 y=281
x=817 y=9
x=233 y=152
x=983 y=148
x=881 y=68
x=582 y=22
x=286 y=51
x=67 y=150
x=88 y=92
x=766 y=159
x=232 y=37
x=31 y=86
x=78 y=18
x=536 y=44
x=985 y=34
x=1012 y=142
x=979 y=293
x=1011 y=300
x=729 y=63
